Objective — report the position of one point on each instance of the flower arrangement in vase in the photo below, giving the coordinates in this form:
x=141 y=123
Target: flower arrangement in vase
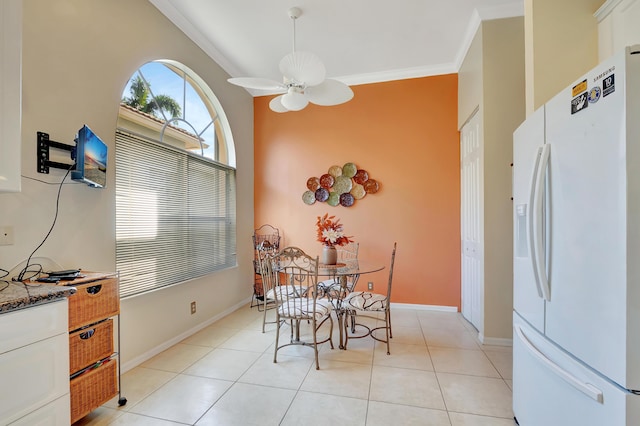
x=330 y=234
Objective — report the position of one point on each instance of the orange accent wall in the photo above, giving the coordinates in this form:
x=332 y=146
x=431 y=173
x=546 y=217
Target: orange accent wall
x=404 y=134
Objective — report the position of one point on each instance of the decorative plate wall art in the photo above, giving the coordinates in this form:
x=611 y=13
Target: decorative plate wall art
x=340 y=186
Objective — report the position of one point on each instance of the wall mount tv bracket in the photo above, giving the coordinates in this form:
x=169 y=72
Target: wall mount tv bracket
x=44 y=143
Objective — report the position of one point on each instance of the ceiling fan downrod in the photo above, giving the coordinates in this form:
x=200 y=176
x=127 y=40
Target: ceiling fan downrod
x=294 y=13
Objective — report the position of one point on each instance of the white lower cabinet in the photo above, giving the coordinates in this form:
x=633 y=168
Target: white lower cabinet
x=56 y=413
x=35 y=371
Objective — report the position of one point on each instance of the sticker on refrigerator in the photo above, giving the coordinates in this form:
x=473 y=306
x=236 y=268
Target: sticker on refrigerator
x=608 y=85
x=579 y=88
x=579 y=103
x=594 y=94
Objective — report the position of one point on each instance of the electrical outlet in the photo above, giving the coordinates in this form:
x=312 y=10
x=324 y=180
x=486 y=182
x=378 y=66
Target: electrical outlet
x=370 y=285
x=6 y=235
x=193 y=308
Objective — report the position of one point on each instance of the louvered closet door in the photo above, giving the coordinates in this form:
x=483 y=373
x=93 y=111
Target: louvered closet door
x=472 y=245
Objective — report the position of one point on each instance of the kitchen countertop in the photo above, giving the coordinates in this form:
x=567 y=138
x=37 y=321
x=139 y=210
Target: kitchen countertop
x=17 y=295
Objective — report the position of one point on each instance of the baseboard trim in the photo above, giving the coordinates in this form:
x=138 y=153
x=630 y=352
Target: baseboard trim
x=424 y=307
x=399 y=306
x=166 y=345
x=494 y=341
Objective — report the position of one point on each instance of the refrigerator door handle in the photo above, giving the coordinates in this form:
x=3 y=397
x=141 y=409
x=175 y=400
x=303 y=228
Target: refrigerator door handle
x=532 y=250
x=537 y=247
x=586 y=388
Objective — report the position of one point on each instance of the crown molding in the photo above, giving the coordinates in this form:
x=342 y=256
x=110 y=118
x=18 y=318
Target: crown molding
x=509 y=10
x=604 y=10
x=398 y=74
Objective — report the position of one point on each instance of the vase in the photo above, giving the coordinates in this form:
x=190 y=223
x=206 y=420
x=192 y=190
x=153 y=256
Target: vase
x=329 y=255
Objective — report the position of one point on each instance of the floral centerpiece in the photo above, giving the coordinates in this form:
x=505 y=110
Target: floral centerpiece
x=330 y=234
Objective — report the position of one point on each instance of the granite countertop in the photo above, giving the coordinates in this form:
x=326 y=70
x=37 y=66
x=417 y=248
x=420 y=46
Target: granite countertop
x=17 y=295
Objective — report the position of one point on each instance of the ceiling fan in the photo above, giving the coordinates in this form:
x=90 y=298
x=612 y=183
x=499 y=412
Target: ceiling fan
x=303 y=80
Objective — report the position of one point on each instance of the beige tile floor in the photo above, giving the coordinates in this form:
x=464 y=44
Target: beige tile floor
x=437 y=374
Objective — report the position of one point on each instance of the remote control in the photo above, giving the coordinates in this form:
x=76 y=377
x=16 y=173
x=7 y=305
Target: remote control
x=65 y=272
x=48 y=280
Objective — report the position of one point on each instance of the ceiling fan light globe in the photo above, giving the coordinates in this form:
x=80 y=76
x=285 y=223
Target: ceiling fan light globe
x=294 y=101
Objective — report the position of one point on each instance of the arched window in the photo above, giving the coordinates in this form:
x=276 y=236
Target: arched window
x=175 y=180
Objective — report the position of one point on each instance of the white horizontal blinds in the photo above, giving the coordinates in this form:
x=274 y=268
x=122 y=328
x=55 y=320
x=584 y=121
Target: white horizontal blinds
x=212 y=237
x=175 y=215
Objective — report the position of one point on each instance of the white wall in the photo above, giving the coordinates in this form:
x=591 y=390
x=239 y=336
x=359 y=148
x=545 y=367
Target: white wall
x=77 y=58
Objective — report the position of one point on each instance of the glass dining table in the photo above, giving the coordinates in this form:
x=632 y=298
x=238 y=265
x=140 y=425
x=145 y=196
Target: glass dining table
x=340 y=273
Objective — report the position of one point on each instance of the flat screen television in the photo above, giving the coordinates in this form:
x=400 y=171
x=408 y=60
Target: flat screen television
x=91 y=159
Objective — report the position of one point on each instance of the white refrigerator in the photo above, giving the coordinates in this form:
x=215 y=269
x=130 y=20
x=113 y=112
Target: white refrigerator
x=576 y=210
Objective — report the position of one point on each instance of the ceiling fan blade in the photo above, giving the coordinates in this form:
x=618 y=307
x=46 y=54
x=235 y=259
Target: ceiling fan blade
x=276 y=104
x=257 y=83
x=303 y=67
x=329 y=92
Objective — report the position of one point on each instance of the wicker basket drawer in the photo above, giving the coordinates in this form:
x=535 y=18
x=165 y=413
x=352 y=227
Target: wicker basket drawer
x=89 y=345
x=92 y=389
x=93 y=302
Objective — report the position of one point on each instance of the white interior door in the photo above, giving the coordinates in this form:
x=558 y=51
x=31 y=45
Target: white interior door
x=472 y=208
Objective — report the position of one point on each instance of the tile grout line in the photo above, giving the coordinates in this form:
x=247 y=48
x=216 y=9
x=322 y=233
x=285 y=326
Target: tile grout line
x=444 y=401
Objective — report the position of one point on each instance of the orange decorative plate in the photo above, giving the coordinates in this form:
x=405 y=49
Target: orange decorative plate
x=371 y=186
x=313 y=183
x=361 y=176
x=326 y=181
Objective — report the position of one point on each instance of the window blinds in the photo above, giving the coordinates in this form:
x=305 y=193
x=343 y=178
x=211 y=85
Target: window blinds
x=175 y=215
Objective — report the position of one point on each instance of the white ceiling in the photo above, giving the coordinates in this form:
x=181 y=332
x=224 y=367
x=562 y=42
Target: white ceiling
x=359 y=41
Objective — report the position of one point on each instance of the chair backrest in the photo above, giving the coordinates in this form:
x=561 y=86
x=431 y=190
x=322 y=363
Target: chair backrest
x=266 y=234
x=266 y=240
x=393 y=260
x=263 y=250
x=348 y=251
x=293 y=276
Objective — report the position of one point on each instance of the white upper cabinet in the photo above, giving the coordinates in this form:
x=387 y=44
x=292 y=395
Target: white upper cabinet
x=617 y=26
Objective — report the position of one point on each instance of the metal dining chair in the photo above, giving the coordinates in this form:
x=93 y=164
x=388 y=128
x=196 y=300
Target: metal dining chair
x=292 y=269
x=367 y=304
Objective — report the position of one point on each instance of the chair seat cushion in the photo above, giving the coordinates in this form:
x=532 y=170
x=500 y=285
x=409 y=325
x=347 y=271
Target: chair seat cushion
x=303 y=308
x=328 y=283
x=365 y=301
x=286 y=290
x=333 y=284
